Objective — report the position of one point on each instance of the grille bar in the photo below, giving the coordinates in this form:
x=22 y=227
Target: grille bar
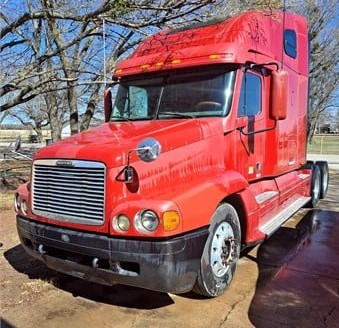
x=71 y=191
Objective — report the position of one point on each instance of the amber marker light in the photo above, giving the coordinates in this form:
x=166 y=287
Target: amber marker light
x=176 y=61
x=159 y=64
x=171 y=220
x=144 y=67
x=118 y=71
x=214 y=56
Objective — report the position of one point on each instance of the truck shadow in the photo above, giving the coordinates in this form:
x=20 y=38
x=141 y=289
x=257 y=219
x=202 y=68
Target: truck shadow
x=298 y=274
x=119 y=295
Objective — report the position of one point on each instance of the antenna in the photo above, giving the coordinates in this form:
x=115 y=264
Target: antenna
x=104 y=45
x=283 y=33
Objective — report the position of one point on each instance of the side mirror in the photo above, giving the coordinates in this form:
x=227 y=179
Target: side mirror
x=14 y=148
x=149 y=149
x=107 y=104
x=17 y=143
x=279 y=93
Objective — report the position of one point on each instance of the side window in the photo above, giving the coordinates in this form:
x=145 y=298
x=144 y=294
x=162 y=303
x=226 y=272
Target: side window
x=250 y=95
x=290 y=43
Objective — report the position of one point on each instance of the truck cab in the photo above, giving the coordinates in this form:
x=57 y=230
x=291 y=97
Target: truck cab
x=202 y=154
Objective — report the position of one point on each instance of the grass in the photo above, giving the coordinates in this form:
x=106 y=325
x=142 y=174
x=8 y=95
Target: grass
x=13 y=173
x=6 y=200
x=324 y=144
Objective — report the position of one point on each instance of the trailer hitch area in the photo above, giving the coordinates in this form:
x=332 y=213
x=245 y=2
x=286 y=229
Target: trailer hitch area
x=114 y=266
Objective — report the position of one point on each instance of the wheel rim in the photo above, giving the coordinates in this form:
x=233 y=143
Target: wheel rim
x=223 y=249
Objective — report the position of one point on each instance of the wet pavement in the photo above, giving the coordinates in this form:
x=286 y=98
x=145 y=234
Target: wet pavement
x=298 y=283
x=291 y=280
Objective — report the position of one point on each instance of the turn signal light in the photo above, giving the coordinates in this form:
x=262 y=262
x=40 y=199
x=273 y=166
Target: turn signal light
x=171 y=220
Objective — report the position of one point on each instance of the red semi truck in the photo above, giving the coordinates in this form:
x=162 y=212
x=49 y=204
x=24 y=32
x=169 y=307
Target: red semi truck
x=203 y=154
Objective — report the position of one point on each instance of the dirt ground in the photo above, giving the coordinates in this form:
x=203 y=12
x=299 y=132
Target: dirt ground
x=32 y=295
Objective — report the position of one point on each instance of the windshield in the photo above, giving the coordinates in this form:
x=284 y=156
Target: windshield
x=175 y=95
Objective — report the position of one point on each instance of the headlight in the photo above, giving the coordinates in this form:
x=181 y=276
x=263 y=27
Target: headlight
x=17 y=202
x=146 y=221
x=121 y=223
x=24 y=207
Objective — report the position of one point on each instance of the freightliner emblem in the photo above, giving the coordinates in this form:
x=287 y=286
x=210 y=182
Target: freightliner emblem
x=64 y=163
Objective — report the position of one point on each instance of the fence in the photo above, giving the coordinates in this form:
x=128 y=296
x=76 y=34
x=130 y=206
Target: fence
x=324 y=144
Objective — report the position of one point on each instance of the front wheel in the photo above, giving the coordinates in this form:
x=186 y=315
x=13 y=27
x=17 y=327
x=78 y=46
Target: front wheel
x=221 y=253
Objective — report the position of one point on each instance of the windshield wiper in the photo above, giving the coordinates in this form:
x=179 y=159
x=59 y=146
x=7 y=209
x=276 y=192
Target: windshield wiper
x=124 y=118
x=119 y=118
x=176 y=114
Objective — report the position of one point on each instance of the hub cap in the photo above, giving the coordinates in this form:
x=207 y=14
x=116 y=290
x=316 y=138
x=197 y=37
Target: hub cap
x=223 y=249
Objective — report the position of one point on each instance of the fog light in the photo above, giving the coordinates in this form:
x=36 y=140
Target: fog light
x=24 y=207
x=121 y=223
x=171 y=220
x=146 y=221
x=17 y=202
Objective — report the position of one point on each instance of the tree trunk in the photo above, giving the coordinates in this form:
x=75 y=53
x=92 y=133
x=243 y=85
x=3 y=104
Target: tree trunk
x=91 y=106
x=55 y=124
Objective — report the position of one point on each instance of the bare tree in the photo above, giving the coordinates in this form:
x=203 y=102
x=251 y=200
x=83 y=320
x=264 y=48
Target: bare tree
x=55 y=45
x=33 y=115
x=324 y=39
x=55 y=48
x=324 y=70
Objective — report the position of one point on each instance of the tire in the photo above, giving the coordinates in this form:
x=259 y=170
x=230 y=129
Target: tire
x=315 y=187
x=221 y=253
x=324 y=177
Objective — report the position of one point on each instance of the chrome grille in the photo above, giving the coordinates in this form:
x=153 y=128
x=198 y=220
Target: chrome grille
x=67 y=190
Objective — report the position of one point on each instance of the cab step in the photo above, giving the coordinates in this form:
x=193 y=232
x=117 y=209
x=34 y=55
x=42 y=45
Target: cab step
x=272 y=225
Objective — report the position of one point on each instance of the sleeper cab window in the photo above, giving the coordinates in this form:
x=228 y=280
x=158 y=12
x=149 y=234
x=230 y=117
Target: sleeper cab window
x=250 y=95
x=290 y=43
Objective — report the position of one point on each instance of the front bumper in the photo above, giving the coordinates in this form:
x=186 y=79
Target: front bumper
x=169 y=265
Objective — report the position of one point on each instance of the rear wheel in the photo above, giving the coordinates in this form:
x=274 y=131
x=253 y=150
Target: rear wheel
x=324 y=177
x=315 y=186
x=221 y=253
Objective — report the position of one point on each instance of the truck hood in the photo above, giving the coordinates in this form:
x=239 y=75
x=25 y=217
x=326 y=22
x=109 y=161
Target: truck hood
x=110 y=142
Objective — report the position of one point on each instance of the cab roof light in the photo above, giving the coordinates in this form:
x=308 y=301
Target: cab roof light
x=176 y=61
x=144 y=67
x=159 y=64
